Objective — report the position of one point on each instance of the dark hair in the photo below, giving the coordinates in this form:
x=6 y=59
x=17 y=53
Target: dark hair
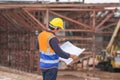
x=51 y=28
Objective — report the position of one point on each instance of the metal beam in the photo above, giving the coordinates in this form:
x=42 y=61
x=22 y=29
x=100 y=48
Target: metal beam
x=108 y=26
x=47 y=18
x=39 y=23
x=4 y=6
x=75 y=30
x=69 y=19
x=9 y=18
x=20 y=20
x=103 y=21
x=63 y=9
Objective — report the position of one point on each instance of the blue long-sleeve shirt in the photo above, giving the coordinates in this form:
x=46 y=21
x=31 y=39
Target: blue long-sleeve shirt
x=55 y=46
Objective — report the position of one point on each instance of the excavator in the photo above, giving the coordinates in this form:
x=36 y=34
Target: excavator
x=109 y=58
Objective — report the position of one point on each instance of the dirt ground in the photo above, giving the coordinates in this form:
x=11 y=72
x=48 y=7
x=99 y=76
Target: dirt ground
x=11 y=74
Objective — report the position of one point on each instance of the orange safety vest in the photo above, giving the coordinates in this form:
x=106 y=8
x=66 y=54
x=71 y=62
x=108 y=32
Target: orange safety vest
x=48 y=58
x=43 y=39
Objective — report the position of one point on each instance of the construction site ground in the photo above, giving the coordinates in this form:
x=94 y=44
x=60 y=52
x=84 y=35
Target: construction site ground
x=11 y=74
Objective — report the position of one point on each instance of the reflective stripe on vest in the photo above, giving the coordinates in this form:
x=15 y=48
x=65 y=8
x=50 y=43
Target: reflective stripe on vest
x=48 y=58
x=49 y=61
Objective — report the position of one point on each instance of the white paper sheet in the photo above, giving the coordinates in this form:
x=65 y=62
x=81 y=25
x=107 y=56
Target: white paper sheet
x=72 y=49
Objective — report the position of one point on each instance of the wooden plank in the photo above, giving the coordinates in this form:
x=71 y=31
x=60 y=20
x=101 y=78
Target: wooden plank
x=114 y=35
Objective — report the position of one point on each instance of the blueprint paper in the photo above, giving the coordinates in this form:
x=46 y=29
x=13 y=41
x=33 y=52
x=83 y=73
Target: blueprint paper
x=72 y=49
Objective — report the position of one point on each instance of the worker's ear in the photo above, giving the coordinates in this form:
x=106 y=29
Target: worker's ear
x=58 y=28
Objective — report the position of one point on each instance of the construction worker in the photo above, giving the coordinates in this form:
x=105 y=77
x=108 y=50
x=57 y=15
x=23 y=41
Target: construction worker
x=50 y=50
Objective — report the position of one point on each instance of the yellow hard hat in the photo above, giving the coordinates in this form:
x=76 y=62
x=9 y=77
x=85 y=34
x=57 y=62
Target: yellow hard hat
x=57 y=23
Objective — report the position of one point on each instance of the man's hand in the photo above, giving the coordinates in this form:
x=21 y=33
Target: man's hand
x=74 y=57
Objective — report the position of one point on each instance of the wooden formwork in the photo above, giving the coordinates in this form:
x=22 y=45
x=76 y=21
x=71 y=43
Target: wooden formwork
x=86 y=25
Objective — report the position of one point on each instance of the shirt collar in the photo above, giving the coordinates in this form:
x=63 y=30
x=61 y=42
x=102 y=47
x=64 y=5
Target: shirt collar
x=50 y=32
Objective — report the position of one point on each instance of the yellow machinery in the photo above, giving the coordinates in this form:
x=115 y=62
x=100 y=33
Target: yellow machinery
x=109 y=59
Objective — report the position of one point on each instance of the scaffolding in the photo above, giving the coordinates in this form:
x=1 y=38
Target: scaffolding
x=87 y=26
